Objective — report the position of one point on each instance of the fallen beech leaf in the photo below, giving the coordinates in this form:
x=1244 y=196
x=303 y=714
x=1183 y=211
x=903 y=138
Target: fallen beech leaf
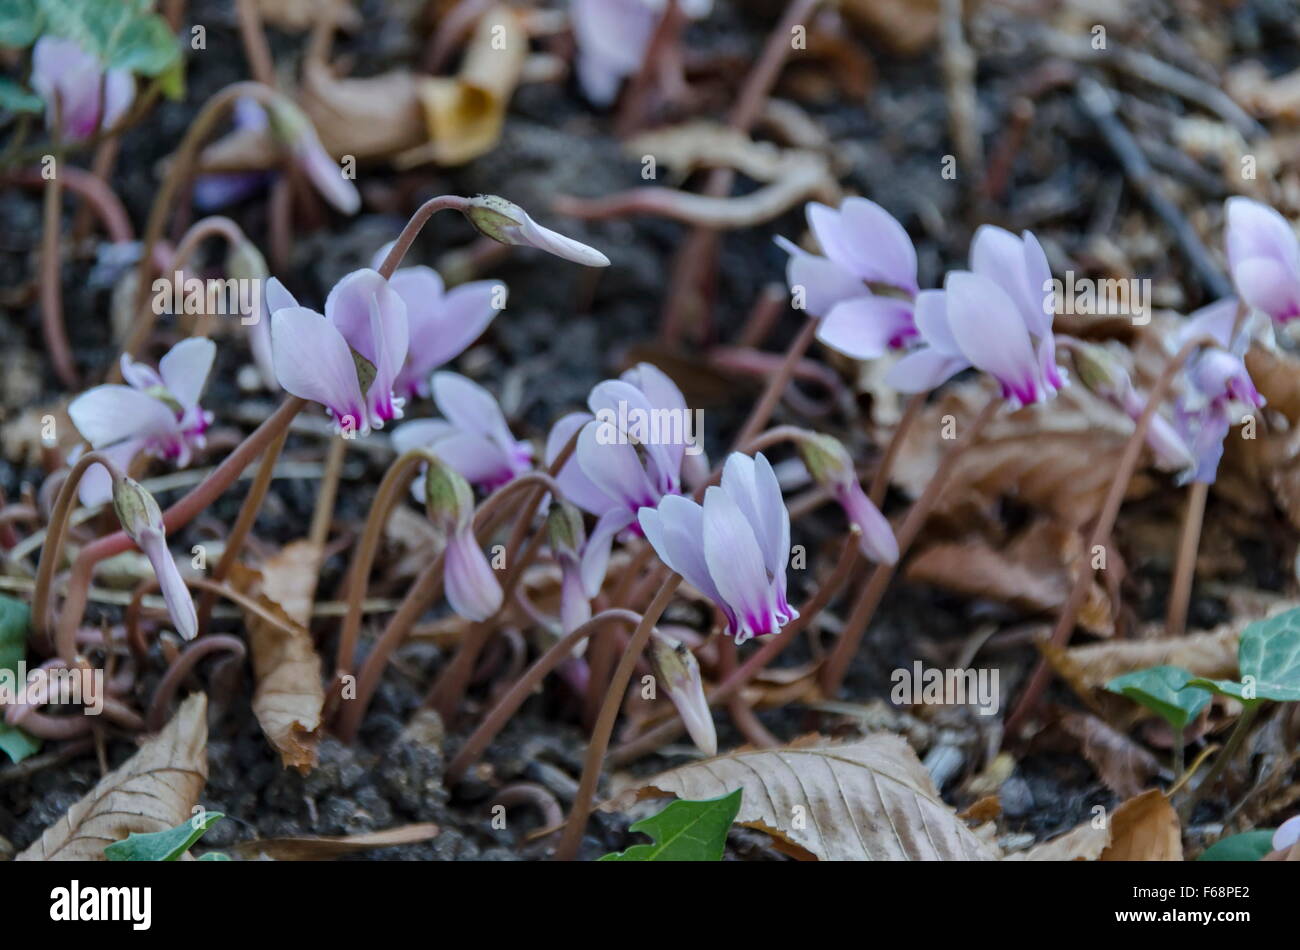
x=464 y=114
x=870 y=800
x=309 y=848
x=1084 y=843
x=1277 y=377
x=289 y=697
x=371 y=117
x=1033 y=573
x=156 y=789
x=1123 y=766
x=1211 y=654
x=1145 y=828
x=297 y=16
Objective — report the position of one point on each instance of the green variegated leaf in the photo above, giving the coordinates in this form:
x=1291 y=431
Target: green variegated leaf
x=14 y=619
x=684 y=831
x=20 y=22
x=1165 y=691
x=1268 y=660
x=166 y=845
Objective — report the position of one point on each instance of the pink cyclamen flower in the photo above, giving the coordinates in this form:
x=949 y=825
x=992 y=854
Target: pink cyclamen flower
x=615 y=471
x=996 y=317
x=612 y=38
x=472 y=438
x=830 y=465
x=507 y=223
x=733 y=548
x=568 y=536
x=294 y=130
x=442 y=323
x=1215 y=388
x=88 y=97
x=468 y=579
x=1264 y=257
x=863 y=244
x=157 y=412
x=347 y=360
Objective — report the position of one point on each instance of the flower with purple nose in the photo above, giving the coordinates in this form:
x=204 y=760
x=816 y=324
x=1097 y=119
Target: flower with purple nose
x=75 y=86
x=996 y=317
x=157 y=413
x=347 y=360
x=733 y=548
x=1264 y=257
x=863 y=246
x=472 y=439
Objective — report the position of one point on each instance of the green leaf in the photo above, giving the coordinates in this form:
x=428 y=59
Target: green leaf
x=1247 y=846
x=1268 y=661
x=14 y=98
x=15 y=616
x=20 y=22
x=215 y=856
x=684 y=831
x=166 y=845
x=123 y=34
x=1163 y=690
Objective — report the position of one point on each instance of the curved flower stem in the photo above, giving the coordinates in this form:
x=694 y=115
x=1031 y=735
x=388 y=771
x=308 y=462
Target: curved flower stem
x=571 y=838
x=322 y=515
x=423 y=592
x=771 y=648
x=880 y=480
x=256 y=49
x=776 y=386
x=52 y=549
x=864 y=608
x=1229 y=753
x=92 y=190
x=174 y=518
x=51 y=294
x=156 y=718
x=213 y=111
x=415 y=225
x=1180 y=593
x=500 y=714
x=1101 y=531
x=243 y=525
x=395 y=481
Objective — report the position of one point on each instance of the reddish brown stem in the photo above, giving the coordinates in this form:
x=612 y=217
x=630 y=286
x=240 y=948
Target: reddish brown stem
x=1180 y=594
x=777 y=384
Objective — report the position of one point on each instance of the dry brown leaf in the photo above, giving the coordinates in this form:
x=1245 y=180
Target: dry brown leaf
x=289 y=697
x=1145 y=828
x=905 y=26
x=870 y=800
x=1033 y=573
x=464 y=114
x=1277 y=377
x=1059 y=457
x=1123 y=766
x=1084 y=843
x=309 y=848
x=154 y=790
x=1212 y=653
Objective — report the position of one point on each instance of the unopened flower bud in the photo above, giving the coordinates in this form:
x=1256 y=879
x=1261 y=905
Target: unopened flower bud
x=507 y=223
x=142 y=521
x=678 y=672
x=448 y=499
x=830 y=465
x=565 y=531
x=1100 y=372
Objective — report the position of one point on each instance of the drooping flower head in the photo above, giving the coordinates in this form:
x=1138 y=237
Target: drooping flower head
x=442 y=323
x=294 y=130
x=157 y=412
x=469 y=582
x=76 y=87
x=567 y=537
x=1215 y=388
x=613 y=37
x=864 y=245
x=472 y=438
x=734 y=548
x=141 y=519
x=618 y=467
x=347 y=360
x=507 y=223
x=830 y=465
x=676 y=668
x=1264 y=257
x=996 y=317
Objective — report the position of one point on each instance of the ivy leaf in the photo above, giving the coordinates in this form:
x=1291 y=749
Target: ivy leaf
x=1247 y=846
x=14 y=98
x=124 y=34
x=20 y=22
x=1268 y=660
x=166 y=845
x=14 y=619
x=1163 y=690
x=215 y=856
x=684 y=831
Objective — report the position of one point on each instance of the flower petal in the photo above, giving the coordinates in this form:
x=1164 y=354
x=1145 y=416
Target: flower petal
x=595 y=553
x=575 y=484
x=676 y=531
x=185 y=369
x=180 y=605
x=471 y=585
x=735 y=562
x=818 y=280
x=615 y=468
x=1255 y=230
x=865 y=328
x=313 y=361
x=923 y=370
x=112 y=413
x=325 y=173
x=988 y=329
